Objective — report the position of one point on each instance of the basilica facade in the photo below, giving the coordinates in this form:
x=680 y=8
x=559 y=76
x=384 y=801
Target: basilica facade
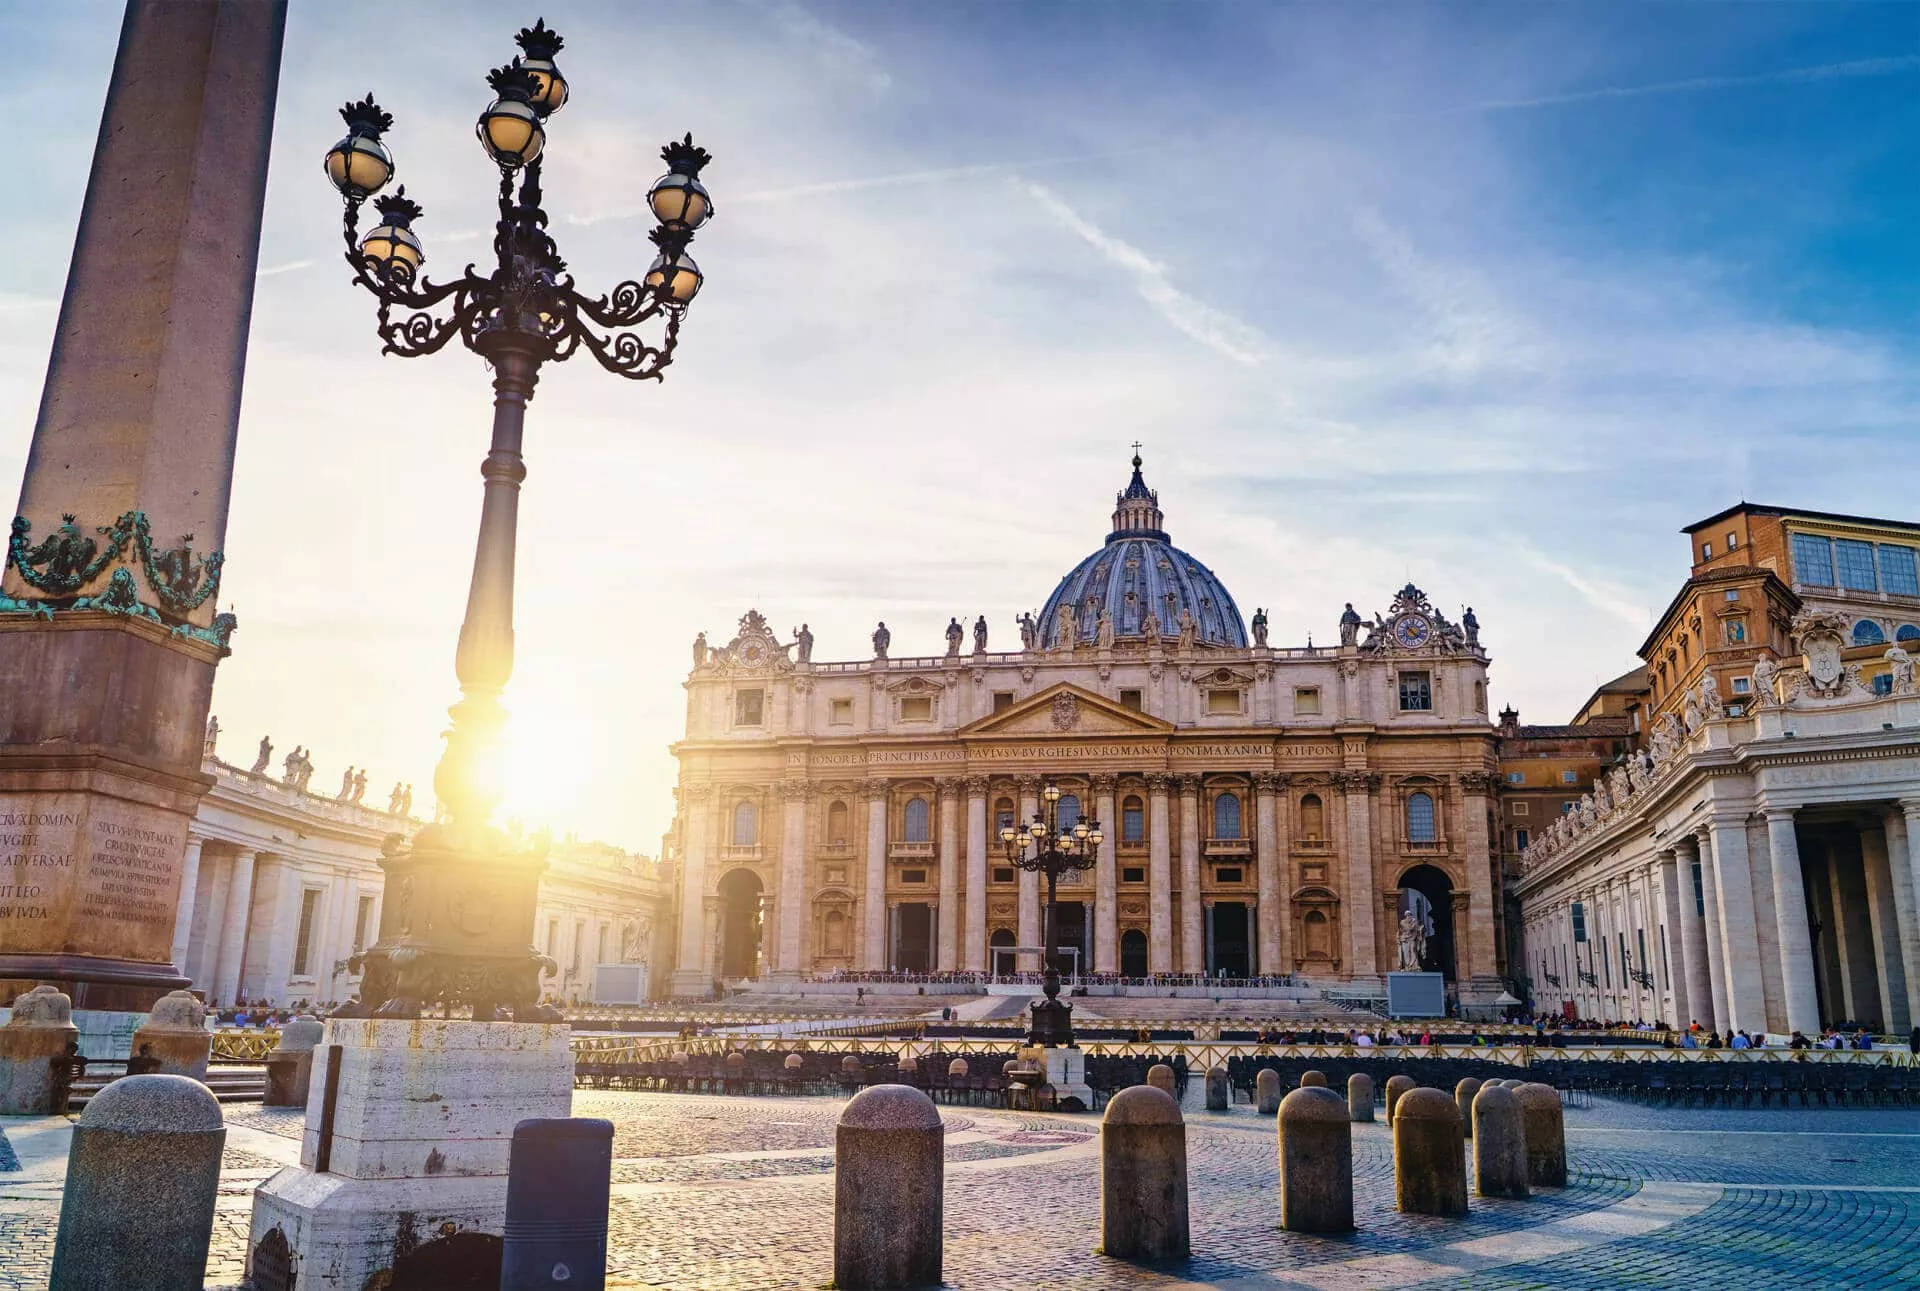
x=1263 y=806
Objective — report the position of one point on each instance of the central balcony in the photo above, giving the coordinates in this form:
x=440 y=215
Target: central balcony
x=1228 y=847
x=910 y=851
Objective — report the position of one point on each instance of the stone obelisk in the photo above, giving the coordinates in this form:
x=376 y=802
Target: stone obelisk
x=109 y=631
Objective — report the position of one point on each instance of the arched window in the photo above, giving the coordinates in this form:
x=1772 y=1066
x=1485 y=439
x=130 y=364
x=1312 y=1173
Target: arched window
x=1907 y=632
x=1069 y=810
x=837 y=816
x=1867 y=632
x=1313 y=817
x=1133 y=821
x=1226 y=816
x=1420 y=818
x=916 y=821
x=746 y=824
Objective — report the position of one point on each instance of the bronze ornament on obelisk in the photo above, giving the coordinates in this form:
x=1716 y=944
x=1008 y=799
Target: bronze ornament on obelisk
x=109 y=623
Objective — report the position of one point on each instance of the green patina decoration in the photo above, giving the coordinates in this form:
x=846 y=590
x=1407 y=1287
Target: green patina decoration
x=68 y=559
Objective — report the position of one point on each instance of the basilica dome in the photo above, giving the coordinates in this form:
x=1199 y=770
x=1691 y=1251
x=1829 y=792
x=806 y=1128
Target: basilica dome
x=1139 y=574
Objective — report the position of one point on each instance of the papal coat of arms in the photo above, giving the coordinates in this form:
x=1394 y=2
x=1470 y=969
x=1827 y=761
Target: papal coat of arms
x=1066 y=712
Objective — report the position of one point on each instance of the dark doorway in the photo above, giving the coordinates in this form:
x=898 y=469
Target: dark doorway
x=1434 y=885
x=1001 y=952
x=913 y=937
x=740 y=925
x=1133 y=953
x=1073 y=933
x=1232 y=949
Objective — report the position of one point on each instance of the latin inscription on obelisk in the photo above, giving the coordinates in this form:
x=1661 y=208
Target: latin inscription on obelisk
x=83 y=874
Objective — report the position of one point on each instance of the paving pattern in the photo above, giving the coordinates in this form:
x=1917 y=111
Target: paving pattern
x=717 y=1192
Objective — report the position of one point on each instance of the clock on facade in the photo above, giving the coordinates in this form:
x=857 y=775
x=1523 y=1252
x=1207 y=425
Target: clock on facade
x=1412 y=631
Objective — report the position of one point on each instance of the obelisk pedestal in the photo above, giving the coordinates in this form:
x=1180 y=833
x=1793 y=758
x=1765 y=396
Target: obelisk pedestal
x=109 y=622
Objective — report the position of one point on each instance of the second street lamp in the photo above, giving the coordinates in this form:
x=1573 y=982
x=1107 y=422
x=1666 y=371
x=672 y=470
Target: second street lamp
x=1047 y=847
x=456 y=926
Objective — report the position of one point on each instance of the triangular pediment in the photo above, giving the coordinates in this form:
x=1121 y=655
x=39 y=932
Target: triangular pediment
x=1067 y=709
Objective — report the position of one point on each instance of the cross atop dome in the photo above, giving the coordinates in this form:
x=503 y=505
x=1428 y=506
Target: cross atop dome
x=1137 y=511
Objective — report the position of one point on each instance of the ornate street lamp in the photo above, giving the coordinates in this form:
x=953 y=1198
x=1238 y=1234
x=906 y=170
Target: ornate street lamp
x=1045 y=847
x=456 y=927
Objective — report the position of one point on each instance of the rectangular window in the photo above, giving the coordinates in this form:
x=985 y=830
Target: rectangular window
x=1733 y=596
x=602 y=944
x=1521 y=809
x=1897 y=573
x=1306 y=701
x=1003 y=875
x=303 y=942
x=361 y=918
x=1812 y=560
x=1579 y=922
x=1520 y=840
x=1569 y=777
x=1131 y=699
x=1742 y=685
x=1133 y=874
x=916 y=708
x=1223 y=701
x=1002 y=700
x=1883 y=684
x=749 y=707
x=1606 y=963
x=1854 y=560
x=1227 y=874
x=1699 y=894
x=1620 y=938
x=553 y=937
x=913 y=876
x=1416 y=692
x=579 y=935
x=1706 y=551
x=1665 y=982
x=1516 y=777
x=1733 y=541
x=1640 y=940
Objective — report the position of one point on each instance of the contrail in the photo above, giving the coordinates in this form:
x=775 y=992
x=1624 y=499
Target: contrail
x=1796 y=75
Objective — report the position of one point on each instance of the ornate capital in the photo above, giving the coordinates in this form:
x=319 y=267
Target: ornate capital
x=1158 y=781
x=977 y=786
x=1104 y=784
x=1188 y=785
x=1477 y=781
x=875 y=788
x=947 y=787
x=696 y=791
x=1271 y=781
x=1026 y=784
x=796 y=790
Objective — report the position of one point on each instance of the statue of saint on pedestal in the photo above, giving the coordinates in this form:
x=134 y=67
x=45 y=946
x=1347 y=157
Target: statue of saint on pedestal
x=1413 y=943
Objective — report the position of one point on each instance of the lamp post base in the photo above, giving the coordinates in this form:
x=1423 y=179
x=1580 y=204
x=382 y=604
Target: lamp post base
x=1052 y=1023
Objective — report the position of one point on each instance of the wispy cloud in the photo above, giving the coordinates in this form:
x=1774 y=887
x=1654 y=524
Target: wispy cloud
x=829 y=44
x=1893 y=66
x=1599 y=594
x=1213 y=328
x=290 y=266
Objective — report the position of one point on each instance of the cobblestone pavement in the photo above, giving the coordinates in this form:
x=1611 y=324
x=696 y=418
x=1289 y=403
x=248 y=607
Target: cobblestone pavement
x=716 y=1192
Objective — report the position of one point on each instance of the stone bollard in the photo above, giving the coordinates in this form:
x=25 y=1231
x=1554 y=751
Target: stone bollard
x=1160 y=1076
x=889 y=1163
x=36 y=1046
x=1499 y=1144
x=1218 y=1092
x=143 y=1171
x=956 y=1068
x=1546 y=1135
x=794 y=1062
x=290 y=1065
x=1429 y=1154
x=175 y=1036
x=1313 y=1080
x=1360 y=1096
x=559 y=1175
x=1396 y=1086
x=1463 y=1093
x=1266 y=1091
x=1316 y=1161
x=1143 y=1177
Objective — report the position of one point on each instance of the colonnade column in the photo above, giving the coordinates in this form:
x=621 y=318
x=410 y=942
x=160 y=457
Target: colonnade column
x=690 y=975
x=794 y=795
x=183 y=914
x=1476 y=787
x=1159 y=876
x=948 y=949
x=1694 y=956
x=1106 y=912
x=1709 y=897
x=975 y=959
x=1906 y=904
x=1739 y=937
x=1667 y=890
x=1270 y=843
x=1358 y=903
x=206 y=964
x=1790 y=912
x=1030 y=930
x=1883 y=910
x=1193 y=952
x=873 y=899
x=233 y=928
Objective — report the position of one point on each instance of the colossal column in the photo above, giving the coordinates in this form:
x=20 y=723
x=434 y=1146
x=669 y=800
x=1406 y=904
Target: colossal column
x=1159 y=876
x=1192 y=928
x=949 y=934
x=1106 y=911
x=690 y=976
x=1357 y=902
x=794 y=795
x=873 y=900
x=1739 y=937
x=1790 y=913
x=976 y=955
x=108 y=632
x=1030 y=930
x=1270 y=843
x=1906 y=909
x=1884 y=910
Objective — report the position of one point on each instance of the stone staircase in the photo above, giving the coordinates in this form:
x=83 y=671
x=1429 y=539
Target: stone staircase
x=230 y=1083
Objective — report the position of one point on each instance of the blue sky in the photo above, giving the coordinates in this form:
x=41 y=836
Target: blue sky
x=1491 y=297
